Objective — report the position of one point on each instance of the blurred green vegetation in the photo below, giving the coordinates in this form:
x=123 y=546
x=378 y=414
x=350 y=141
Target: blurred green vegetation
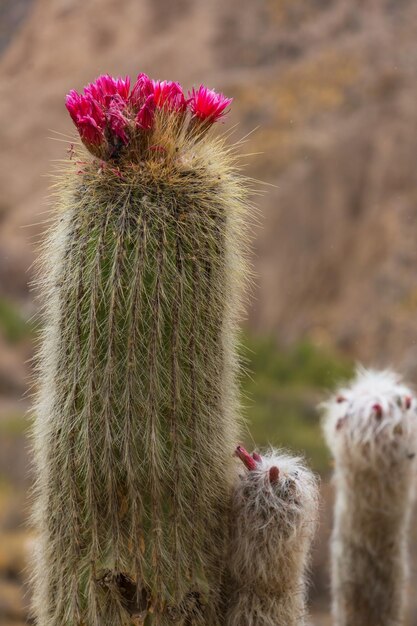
x=15 y=424
x=281 y=390
x=13 y=325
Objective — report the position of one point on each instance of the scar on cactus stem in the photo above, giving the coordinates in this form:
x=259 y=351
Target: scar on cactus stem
x=373 y=439
x=137 y=411
x=274 y=510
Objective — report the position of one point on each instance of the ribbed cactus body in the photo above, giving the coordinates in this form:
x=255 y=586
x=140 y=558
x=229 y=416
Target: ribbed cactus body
x=274 y=515
x=137 y=410
x=371 y=429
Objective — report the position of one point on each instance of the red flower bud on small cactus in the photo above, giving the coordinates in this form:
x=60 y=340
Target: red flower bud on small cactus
x=377 y=408
x=273 y=474
x=408 y=401
x=257 y=457
x=207 y=105
x=246 y=458
x=340 y=422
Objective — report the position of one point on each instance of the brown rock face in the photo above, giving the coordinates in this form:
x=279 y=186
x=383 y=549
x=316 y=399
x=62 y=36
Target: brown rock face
x=331 y=88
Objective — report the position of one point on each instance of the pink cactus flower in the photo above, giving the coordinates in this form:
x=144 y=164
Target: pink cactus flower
x=117 y=121
x=145 y=116
x=169 y=95
x=107 y=110
x=123 y=87
x=105 y=87
x=89 y=131
x=142 y=89
x=207 y=105
x=101 y=106
x=87 y=116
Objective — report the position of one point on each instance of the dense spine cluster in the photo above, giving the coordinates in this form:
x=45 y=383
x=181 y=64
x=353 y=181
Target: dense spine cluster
x=274 y=514
x=137 y=406
x=371 y=428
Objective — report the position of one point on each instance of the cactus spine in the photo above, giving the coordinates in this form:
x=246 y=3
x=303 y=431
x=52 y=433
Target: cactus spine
x=274 y=512
x=136 y=413
x=371 y=428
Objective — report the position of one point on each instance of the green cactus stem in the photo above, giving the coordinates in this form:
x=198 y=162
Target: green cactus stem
x=141 y=281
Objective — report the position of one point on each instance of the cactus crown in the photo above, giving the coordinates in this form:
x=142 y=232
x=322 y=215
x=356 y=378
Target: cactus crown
x=364 y=419
x=280 y=485
x=148 y=121
x=371 y=429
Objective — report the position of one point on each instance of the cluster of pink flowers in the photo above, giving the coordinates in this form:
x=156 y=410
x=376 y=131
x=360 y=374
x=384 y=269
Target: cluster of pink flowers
x=108 y=110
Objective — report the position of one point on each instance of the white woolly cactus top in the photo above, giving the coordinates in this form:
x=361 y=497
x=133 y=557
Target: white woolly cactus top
x=278 y=486
x=274 y=513
x=372 y=420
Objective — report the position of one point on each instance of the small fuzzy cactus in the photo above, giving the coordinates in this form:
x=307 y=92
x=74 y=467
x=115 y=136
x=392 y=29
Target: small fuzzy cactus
x=274 y=512
x=371 y=429
x=137 y=407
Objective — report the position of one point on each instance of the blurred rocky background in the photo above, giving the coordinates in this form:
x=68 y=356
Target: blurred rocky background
x=325 y=94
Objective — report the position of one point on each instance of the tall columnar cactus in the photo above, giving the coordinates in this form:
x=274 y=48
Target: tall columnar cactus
x=371 y=428
x=137 y=410
x=274 y=512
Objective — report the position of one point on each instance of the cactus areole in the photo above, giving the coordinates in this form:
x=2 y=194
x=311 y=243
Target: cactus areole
x=137 y=408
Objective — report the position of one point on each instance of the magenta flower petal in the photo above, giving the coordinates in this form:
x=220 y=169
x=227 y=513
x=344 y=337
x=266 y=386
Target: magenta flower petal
x=208 y=105
x=116 y=119
x=105 y=87
x=169 y=95
x=145 y=116
x=123 y=87
x=87 y=116
x=142 y=89
x=89 y=131
x=72 y=102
